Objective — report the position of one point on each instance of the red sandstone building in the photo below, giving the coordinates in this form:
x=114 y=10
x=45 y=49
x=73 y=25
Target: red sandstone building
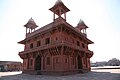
x=56 y=48
x=10 y=66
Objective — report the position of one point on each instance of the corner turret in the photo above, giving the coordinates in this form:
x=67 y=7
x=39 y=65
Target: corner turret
x=81 y=26
x=31 y=25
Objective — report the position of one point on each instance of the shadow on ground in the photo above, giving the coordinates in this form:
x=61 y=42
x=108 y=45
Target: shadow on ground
x=86 y=76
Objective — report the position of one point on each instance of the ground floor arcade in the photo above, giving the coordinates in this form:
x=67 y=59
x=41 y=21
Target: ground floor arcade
x=52 y=61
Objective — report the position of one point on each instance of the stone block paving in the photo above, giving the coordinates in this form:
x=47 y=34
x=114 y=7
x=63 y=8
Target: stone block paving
x=93 y=75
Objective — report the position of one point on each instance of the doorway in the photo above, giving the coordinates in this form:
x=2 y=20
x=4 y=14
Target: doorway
x=38 y=63
x=79 y=62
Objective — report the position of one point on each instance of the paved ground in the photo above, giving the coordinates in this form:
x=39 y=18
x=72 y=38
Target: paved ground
x=101 y=74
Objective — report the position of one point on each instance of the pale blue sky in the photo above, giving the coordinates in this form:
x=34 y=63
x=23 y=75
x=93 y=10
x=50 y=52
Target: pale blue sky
x=101 y=16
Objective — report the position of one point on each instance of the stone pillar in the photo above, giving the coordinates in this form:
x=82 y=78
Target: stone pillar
x=42 y=63
x=29 y=30
x=52 y=62
x=33 y=63
x=62 y=58
x=69 y=62
x=83 y=65
x=59 y=12
x=53 y=16
x=27 y=63
x=65 y=16
x=88 y=60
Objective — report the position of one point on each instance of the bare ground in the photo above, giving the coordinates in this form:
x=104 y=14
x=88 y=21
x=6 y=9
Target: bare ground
x=100 y=74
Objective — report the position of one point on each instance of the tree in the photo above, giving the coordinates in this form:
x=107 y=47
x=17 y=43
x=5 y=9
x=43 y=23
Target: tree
x=114 y=62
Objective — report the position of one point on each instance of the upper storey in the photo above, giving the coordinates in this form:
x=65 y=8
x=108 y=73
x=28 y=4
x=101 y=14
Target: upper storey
x=58 y=9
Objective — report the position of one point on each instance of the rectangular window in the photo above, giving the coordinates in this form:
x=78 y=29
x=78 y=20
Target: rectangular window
x=83 y=45
x=47 y=41
x=48 y=60
x=78 y=43
x=66 y=60
x=31 y=45
x=38 y=43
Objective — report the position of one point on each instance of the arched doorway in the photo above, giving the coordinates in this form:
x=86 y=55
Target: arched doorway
x=79 y=62
x=38 y=63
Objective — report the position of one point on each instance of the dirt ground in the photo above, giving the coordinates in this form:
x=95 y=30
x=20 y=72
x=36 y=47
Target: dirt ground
x=100 y=74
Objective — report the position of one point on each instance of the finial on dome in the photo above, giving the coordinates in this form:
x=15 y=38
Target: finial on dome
x=81 y=21
x=31 y=19
x=58 y=1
